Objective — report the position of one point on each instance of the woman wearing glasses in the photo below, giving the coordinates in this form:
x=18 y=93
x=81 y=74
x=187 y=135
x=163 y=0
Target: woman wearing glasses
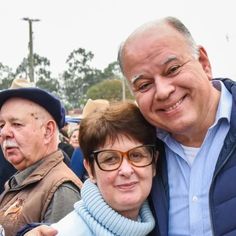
x=120 y=155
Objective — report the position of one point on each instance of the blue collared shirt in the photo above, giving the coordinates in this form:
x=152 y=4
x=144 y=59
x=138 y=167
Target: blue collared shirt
x=189 y=184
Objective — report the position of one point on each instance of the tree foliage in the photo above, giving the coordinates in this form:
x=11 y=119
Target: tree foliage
x=78 y=76
x=6 y=76
x=112 y=71
x=76 y=83
x=108 y=89
x=42 y=73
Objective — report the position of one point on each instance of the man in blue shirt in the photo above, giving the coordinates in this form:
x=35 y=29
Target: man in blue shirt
x=171 y=78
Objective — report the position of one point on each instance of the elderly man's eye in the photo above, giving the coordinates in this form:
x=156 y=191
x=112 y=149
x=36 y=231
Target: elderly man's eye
x=17 y=124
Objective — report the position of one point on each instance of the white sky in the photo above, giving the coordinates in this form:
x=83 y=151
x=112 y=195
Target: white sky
x=100 y=25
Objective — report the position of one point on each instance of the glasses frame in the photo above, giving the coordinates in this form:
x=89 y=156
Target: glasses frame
x=153 y=154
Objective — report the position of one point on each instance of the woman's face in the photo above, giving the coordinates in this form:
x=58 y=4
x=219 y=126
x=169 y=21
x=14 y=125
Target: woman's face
x=74 y=138
x=126 y=188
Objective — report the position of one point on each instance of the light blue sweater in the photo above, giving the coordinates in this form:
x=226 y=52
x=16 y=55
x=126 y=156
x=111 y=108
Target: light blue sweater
x=94 y=217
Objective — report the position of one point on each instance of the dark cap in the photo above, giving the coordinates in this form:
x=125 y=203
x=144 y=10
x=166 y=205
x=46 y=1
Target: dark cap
x=39 y=96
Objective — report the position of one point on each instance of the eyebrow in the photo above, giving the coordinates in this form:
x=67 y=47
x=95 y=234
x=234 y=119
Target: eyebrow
x=135 y=78
x=168 y=60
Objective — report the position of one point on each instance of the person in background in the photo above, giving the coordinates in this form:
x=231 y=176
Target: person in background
x=170 y=75
x=44 y=189
x=120 y=159
x=63 y=144
x=77 y=159
x=74 y=138
x=6 y=168
x=64 y=131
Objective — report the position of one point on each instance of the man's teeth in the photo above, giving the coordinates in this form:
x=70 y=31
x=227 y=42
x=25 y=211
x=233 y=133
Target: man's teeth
x=174 y=106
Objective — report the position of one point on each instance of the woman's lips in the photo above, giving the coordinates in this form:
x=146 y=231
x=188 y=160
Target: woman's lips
x=126 y=186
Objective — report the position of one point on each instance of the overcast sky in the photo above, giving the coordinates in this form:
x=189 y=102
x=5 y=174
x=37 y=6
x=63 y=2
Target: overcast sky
x=100 y=25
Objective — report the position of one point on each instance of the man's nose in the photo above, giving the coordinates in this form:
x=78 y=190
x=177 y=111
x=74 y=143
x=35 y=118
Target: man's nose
x=164 y=88
x=6 y=131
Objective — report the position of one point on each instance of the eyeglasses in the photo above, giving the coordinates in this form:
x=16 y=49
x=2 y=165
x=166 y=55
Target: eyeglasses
x=109 y=160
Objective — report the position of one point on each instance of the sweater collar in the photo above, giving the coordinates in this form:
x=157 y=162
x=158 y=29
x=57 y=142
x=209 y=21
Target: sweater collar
x=103 y=220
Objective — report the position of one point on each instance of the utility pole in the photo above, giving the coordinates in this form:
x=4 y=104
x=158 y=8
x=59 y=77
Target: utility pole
x=31 y=53
x=123 y=88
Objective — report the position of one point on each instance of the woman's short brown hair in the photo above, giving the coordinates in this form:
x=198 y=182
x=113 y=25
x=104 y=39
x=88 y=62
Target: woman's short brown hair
x=119 y=118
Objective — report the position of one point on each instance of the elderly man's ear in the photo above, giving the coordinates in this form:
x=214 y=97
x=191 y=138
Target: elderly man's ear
x=50 y=129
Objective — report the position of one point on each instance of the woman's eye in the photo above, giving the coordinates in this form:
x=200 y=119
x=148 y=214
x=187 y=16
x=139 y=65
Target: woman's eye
x=137 y=157
x=110 y=160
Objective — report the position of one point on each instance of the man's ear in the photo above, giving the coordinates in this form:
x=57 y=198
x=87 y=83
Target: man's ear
x=89 y=170
x=205 y=62
x=50 y=129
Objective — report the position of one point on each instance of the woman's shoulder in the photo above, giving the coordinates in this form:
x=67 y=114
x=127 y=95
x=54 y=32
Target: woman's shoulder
x=72 y=224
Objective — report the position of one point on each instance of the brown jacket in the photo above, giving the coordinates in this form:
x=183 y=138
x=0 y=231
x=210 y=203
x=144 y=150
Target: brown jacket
x=29 y=201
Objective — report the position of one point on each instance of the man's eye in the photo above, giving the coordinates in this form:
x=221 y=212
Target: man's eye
x=173 y=70
x=1 y=127
x=16 y=124
x=142 y=87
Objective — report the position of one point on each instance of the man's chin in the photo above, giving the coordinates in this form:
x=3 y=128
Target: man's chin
x=14 y=160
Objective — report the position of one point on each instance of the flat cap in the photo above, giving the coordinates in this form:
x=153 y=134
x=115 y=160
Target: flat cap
x=43 y=98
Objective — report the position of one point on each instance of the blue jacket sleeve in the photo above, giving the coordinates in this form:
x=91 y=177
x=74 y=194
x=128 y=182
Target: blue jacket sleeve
x=27 y=228
x=76 y=163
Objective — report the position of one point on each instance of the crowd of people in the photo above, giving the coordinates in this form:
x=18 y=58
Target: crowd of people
x=162 y=165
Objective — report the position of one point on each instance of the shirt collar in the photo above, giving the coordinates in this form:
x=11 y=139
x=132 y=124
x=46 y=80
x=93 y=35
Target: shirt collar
x=225 y=103
x=20 y=176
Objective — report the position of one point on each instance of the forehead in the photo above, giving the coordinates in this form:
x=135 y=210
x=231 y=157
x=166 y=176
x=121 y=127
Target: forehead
x=75 y=132
x=153 y=35
x=121 y=142
x=18 y=107
x=154 y=44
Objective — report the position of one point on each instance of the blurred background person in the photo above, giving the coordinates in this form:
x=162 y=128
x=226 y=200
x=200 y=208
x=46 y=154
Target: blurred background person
x=74 y=138
x=43 y=189
x=6 y=168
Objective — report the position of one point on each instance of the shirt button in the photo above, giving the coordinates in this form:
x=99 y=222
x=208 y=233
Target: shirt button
x=194 y=199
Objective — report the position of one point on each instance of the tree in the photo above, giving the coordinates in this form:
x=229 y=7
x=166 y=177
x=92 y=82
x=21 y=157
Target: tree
x=6 y=76
x=43 y=78
x=112 y=71
x=108 y=89
x=79 y=76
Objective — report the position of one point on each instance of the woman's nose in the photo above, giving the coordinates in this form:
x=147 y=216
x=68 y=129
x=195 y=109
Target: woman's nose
x=126 y=168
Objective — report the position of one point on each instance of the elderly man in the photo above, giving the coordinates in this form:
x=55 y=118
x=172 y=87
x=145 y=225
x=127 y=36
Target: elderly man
x=44 y=188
